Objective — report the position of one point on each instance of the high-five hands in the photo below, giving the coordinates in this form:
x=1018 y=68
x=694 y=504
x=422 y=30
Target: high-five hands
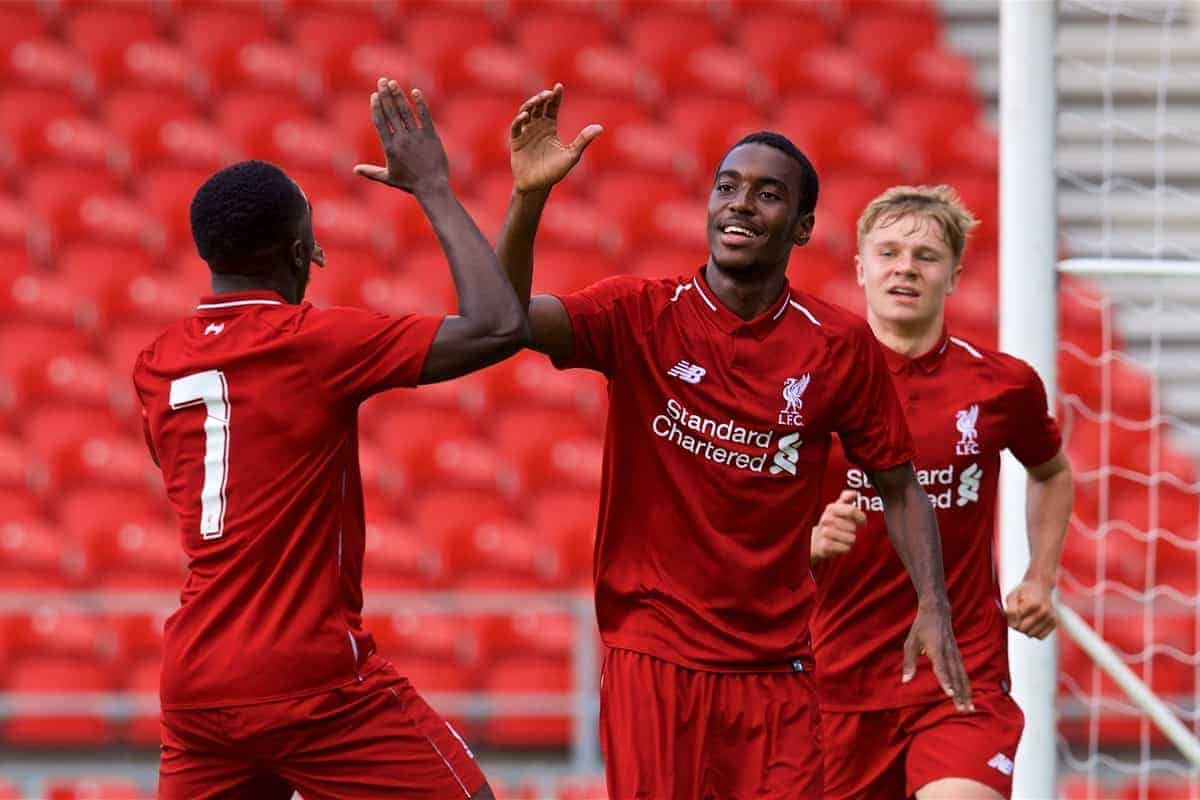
x=539 y=160
x=416 y=160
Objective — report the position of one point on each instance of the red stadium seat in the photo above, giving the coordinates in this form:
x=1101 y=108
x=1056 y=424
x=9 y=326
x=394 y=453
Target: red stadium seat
x=398 y=556
x=554 y=37
x=833 y=71
x=60 y=433
x=665 y=41
x=667 y=262
x=408 y=433
x=25 y=345
x=502 y=553
x=438 y=34
x=102 y=32
x=96 y=511
x=888 y=41
x=816 y=124
x=57 y=194
x=97 y=788
x=631 y=197
x=109 y=273
x=568 y=517
x=307 y=144
x=324 y=34
x=140 y=634
x=480 y=121
x=47 y=64
x=581 y=788
x=532 y=436
x=454 y=514
x=34 y=555
x=74 y=378
x=614 y=113
x=529 y=379
x=15 y=464
x=136 y=554
x=404 y=635
x=528 y=674
x=42 y=297
x=25 y=111
x=936 y=70
x=465 y=462
x=20 y=21
x=711 y=125
x=614 y=70
x=729 y=71
x=930 y=119
x=497 y=67
x=407 y=292
x=138 y=115
x=17 y=502
x=772 y=38
x=249 y=117
x=652 y=147
x=126 y=338
x=550 y=634
x=58 y=675
x=356 y=69
x=214 y=33
x=75 y=140
x=166 y=193
x=973 y=146
x=269 y=65
x=144 y=727
x=159 y=65
x=879 y=149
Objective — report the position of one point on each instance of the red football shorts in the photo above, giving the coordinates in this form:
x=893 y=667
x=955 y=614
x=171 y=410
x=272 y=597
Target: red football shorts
x=891 y=753
x=673 y=732
x=371 y=739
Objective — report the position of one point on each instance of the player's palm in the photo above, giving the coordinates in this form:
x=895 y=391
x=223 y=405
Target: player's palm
x=539 y=158
x=416 y=159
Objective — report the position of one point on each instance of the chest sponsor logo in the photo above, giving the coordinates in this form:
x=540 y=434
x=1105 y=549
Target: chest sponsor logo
x=966 y=421
x=728 y=441
x=793 y=398
x=945 y=488
x=688 y=372
x=214 y=328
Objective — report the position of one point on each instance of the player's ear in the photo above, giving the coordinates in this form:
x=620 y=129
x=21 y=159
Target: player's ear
x=858 y=271
x=955 y=274
x=802 y=230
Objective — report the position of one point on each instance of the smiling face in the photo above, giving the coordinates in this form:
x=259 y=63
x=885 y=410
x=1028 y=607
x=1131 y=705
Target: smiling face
x=907 y=269
x=753 y=219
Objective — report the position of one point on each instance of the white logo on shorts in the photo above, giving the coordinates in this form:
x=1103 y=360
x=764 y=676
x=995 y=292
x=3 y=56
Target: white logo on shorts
x=1002 y=763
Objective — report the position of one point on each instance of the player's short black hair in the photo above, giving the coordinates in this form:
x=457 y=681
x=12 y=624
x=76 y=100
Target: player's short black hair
x=810 y=185
x=243 y=211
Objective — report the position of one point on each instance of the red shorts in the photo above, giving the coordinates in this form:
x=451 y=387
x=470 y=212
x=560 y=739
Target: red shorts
x=673 y=732
x=371 y=739
x=882 y=755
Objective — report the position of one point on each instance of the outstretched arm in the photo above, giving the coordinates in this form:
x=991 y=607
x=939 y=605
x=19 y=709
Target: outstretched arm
x=539 y=160
x=1049 y=496
x=912 y=528
x=491 y=324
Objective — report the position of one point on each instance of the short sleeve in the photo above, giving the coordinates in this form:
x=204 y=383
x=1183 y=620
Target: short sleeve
x=354 y=354
x=871 y=425
x=599 y=314
x=1034 y=437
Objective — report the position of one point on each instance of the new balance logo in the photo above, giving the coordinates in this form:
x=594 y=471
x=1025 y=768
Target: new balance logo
x=968 y=485
x=1001 y=763
x=787 y=456
x=214 y=328
x=692 y=373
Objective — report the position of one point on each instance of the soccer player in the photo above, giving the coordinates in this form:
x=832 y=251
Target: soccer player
x=888 y=731
x=724 y=388
x=269 y=681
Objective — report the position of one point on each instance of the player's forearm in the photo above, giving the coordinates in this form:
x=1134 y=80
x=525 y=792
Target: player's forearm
x=485 y=296
x=1048 y=505
x=913 y=531
x=515 y=247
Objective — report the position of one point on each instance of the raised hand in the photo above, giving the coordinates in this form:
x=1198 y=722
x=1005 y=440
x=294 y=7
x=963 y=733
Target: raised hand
x=416 y=160
x=1030 y=609
x=539 y=160
x=834 y=534
x=931 y=634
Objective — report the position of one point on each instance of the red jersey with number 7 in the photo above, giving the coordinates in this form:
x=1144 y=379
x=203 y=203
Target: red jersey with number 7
x=964 y=405
x=251 y=409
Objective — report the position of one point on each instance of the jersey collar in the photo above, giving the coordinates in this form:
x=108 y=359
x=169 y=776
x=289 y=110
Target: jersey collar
x=215 y=304
x=705 y=300
x=927 y=362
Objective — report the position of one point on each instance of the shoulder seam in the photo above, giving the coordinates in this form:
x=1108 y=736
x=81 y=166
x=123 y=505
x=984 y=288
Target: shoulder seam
x=966 y=346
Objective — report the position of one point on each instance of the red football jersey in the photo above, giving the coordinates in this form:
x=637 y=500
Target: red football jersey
x=251 y=407
x=716 y=445
x=965 y=405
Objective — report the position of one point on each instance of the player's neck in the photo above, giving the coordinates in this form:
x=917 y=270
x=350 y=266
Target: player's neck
x=749 y=296
x=912 y=340
x=233 y=284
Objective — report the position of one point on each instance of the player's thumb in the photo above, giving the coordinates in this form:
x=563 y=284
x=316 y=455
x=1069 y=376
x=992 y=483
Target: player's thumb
x=586 y=137
x=1012 y=607
x=371 y=172
x=849 y=497
x=911 y=651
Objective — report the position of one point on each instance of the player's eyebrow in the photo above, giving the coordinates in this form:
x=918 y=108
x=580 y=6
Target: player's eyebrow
x=766 y=180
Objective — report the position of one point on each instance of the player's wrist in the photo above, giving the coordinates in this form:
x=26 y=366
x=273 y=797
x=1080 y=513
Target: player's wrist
x=936 y=603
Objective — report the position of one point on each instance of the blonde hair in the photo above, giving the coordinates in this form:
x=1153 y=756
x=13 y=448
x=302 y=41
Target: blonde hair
x=939 y=203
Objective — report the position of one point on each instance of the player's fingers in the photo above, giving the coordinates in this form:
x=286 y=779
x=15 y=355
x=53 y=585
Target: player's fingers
x=839 y=535
x=1046 y=628
x=842 y=511
x=539 y=107
x=406 y=115
x=958 y=677
x=585 y=137
x=554 y=102
x=1012 y=608
x=371 y=172
x=387 y=101
x=848 y=497
x=418 y=98
x=518 y=124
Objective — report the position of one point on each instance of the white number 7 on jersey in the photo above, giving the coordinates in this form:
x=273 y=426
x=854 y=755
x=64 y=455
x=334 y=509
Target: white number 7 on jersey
x=210 y=389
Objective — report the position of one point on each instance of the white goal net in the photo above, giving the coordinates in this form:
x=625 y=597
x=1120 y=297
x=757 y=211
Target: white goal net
x=1129 y=390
